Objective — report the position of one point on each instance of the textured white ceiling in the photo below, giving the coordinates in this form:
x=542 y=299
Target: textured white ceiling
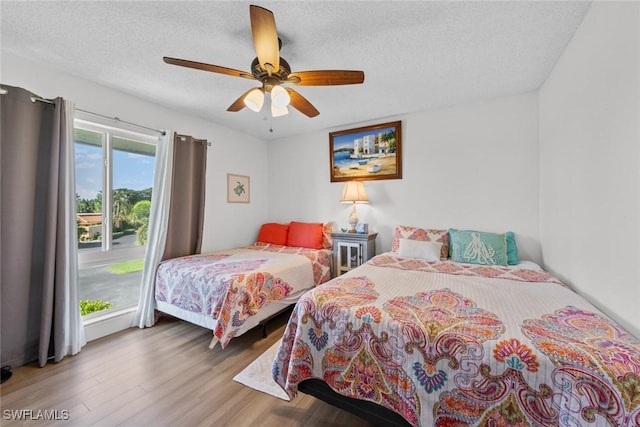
x=416 y=55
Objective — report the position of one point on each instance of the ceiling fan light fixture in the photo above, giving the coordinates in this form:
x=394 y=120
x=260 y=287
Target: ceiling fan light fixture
x=277 y=111
x=279 y=96
x=254 y=100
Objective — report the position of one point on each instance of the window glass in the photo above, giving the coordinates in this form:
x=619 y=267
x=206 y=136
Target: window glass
x=89 y=184
x=114 y=178
x=133 y=165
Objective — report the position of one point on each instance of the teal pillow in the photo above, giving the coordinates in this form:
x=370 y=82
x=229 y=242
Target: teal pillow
x=451 y=232
x=477 y=247
x=512 y=249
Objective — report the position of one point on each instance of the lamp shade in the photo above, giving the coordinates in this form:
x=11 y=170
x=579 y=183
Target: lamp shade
x=254 y=99
x=353 y=192
x=279 y=96
x=278 y=111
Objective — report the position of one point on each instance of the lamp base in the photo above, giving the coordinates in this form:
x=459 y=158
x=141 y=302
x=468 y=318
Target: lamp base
x=353 y=219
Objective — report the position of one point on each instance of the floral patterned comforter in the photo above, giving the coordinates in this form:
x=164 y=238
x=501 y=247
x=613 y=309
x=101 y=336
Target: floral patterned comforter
x=232 y=285
x=446 y=344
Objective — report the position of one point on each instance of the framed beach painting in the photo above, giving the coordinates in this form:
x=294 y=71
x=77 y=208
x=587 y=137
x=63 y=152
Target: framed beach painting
x=237 y=188
x=366 y=153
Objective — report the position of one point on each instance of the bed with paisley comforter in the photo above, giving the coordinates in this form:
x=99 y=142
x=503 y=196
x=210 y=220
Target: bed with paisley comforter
x=443 y=343
x=232 y=291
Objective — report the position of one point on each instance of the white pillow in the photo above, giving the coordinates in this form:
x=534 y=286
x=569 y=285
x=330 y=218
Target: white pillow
x=429 y=251
x=529 y=265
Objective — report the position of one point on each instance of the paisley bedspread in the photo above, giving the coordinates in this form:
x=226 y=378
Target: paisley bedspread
x=456 y=345
x=232 y=285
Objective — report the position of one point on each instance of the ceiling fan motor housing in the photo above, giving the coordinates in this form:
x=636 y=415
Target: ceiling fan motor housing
x=276 y=78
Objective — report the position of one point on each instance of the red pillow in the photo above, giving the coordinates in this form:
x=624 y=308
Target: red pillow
x=273 y=233
x=305 y=234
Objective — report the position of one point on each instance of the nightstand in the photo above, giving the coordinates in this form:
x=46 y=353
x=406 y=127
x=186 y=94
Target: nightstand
x=352 y=249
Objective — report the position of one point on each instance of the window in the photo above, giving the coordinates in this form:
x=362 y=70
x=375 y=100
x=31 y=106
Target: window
x=114 y=177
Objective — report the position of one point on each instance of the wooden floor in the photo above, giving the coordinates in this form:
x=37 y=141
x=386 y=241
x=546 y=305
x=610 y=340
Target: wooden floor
x=162 y=376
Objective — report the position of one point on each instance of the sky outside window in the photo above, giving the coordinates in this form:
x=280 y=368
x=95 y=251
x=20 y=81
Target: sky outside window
x=133 y=166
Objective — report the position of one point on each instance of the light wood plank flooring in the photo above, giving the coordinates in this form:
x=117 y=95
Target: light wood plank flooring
x=164 y=375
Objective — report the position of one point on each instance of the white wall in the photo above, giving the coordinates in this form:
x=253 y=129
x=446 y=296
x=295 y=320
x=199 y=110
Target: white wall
x=472 y=166
x=590 y=158
x=231 y=152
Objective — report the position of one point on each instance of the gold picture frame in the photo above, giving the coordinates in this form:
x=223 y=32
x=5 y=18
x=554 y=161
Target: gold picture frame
x=238 y=190
x=366 y=153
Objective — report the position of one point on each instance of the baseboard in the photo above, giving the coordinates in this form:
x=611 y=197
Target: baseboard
x=108 y=324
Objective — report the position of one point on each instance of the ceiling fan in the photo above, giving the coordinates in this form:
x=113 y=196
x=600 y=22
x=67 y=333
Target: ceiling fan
x=273 y=72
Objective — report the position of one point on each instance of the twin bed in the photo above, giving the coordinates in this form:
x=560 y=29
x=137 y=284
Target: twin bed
x=431 y=334
x=234 y=290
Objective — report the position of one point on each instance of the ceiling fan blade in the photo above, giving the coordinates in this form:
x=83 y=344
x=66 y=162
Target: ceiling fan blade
x=238 y=104
x=265 y=37
x=208 y=67
x=326 y=77
x=301 y=104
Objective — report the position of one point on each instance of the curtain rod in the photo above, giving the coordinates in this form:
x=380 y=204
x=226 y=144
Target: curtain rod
x=183 y=138
x=117 y=119
x=35 y=98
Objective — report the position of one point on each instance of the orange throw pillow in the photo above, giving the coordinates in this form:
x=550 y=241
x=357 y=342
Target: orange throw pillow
x=305 y=234
x=273 y=233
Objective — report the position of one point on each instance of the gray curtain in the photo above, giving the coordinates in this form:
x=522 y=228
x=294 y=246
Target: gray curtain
x=35 y=233
x=186 y=209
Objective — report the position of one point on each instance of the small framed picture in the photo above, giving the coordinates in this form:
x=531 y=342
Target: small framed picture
x=237 y=188
x=362 y=228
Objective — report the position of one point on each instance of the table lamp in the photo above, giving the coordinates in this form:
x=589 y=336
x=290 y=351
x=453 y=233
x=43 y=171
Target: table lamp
x=353 y=192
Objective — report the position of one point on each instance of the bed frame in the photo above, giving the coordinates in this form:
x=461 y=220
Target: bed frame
x=370 y=411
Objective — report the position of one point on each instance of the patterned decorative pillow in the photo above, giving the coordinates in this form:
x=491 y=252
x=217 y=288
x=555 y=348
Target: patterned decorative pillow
x=477 y=247
x=422 y=234
x=327 y=240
